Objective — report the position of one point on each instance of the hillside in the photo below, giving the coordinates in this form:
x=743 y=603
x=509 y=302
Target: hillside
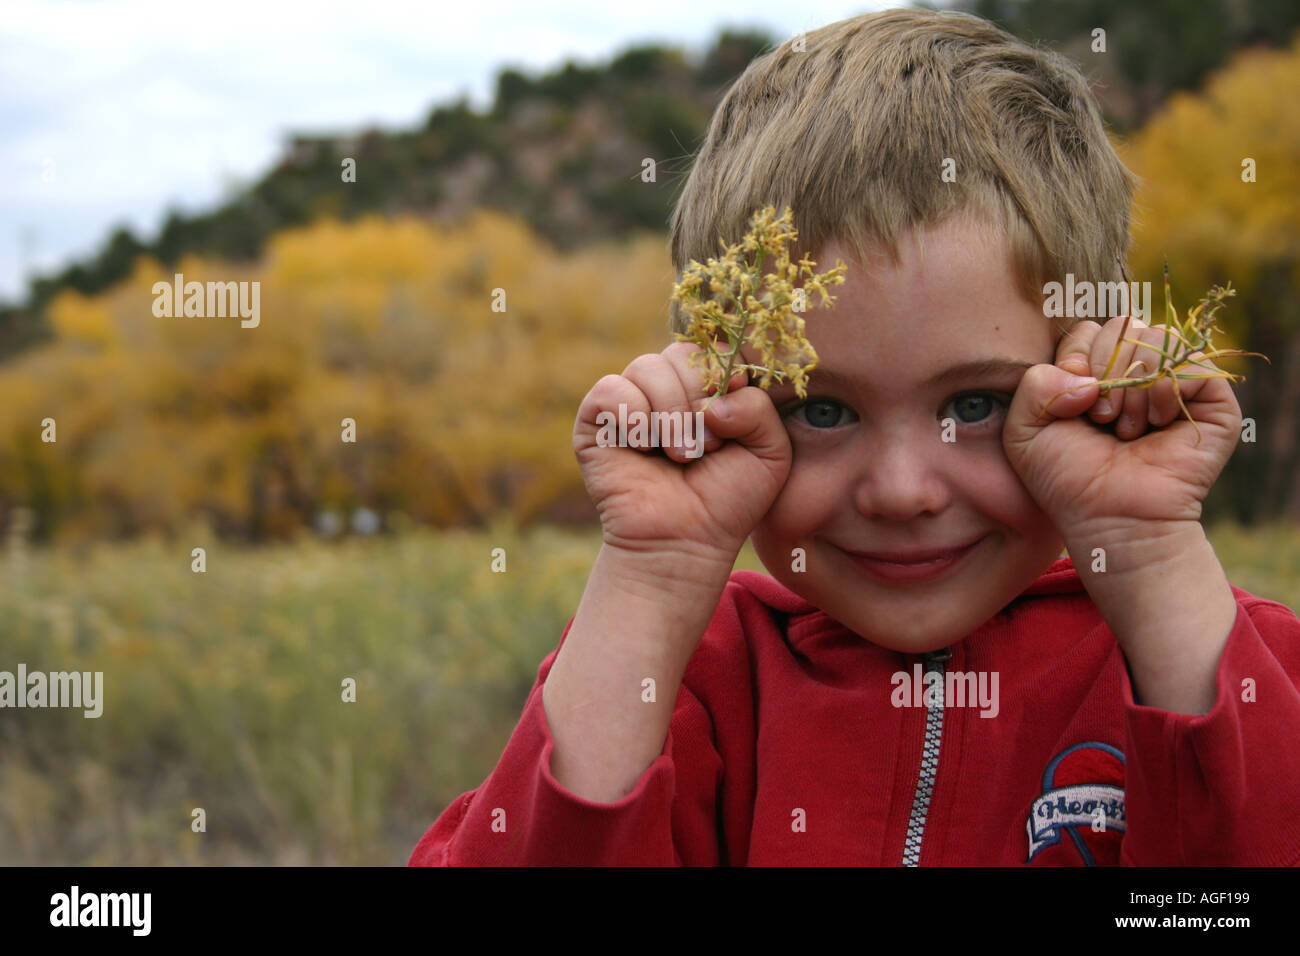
x=562 y=151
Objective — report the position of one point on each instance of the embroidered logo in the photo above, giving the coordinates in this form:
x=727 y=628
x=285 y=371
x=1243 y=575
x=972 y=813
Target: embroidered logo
x=1083 y=790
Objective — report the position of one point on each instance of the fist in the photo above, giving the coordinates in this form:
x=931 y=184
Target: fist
x=676 y=501
x=1095 y=461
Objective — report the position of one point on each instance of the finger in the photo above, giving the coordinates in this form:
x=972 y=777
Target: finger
x=1133 y=420
x=748 y=416
x=1165 y=406
x=1104 y=348
x=1162 y=403
x=692 y=375
x=661 y=384
x=1211 y=399
x=1045 y=394
x=1190 y=387
x=599 y=404
x=1085 y=350
x=1074 y=353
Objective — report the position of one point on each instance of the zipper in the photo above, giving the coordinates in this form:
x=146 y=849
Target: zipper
x=934 y=662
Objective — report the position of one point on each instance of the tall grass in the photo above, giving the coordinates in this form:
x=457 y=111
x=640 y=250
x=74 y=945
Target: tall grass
x=223 y=690
x=1264 y=560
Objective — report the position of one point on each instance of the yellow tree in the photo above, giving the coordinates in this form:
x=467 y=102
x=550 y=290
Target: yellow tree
x=458 y=410
x=1219 y=200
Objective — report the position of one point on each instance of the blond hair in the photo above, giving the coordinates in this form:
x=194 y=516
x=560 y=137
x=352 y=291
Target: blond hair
x=854 y=131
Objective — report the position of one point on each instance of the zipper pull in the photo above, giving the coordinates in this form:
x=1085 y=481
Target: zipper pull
x=939 y=657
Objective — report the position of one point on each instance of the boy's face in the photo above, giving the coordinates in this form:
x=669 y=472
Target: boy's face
x=871 y=471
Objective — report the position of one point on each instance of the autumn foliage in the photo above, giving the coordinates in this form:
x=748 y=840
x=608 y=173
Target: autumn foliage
x=1219 y=201
x=464 y=413
x=461 y=412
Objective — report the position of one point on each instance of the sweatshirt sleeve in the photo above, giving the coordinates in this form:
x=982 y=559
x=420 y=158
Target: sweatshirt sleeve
x=1222 y=788
x=521 y=816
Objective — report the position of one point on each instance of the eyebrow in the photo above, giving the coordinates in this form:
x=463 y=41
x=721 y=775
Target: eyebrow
x=980 y=368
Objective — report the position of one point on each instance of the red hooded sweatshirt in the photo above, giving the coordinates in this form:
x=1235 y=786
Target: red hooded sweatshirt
x=794 y=741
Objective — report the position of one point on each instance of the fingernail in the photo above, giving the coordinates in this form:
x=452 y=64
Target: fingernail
x=721 y=408
x=1079 y=381
x=1103 y=407
x=693 y=447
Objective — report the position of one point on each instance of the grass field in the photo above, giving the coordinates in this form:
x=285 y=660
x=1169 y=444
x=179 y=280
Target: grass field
x=223 y=690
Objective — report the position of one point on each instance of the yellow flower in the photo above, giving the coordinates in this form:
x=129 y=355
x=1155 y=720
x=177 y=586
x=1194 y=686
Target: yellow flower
x=765 y=321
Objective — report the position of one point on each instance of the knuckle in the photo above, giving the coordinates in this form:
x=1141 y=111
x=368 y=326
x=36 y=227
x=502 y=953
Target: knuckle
x=642 y=363
x=1080 y=333
x=608 y=386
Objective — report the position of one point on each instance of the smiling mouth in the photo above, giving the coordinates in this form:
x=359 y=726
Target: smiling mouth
x=917 y=565
x=918 y=555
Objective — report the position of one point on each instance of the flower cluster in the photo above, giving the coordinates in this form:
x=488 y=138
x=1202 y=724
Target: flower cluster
x=747 y=305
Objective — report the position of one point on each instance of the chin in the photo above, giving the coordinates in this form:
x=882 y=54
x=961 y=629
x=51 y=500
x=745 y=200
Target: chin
x=910 y=639
x=913 y=619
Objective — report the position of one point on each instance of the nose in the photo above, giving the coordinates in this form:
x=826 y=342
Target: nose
x=903 y=476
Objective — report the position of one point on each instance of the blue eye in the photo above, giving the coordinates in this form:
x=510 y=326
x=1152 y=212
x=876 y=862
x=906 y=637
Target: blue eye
x=821 y=413
x=974 y=407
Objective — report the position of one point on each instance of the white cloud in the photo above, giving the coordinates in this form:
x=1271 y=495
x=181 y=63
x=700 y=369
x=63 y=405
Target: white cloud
x=143 y=103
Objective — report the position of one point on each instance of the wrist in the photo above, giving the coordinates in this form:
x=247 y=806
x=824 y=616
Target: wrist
x=1135 y=550
x=1164 y=595
x=661 y=569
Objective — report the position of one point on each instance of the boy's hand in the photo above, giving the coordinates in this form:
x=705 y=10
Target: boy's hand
x=676 y=503
x=1096 y=482
x=1135 y=491
x=673 y=519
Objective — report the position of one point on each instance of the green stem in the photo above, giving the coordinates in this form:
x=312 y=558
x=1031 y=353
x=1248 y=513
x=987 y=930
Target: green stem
x=728 y=366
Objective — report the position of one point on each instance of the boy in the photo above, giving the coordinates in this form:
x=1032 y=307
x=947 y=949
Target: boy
x=919 y=681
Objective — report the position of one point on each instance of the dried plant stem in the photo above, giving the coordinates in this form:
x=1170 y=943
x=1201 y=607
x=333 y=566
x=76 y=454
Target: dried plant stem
x=1193 y=335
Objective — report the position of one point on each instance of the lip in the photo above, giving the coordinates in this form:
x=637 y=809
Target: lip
x=920 y=565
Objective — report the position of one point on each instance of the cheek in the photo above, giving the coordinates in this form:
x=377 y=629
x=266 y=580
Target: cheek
x=994 y=489
x=807 y=502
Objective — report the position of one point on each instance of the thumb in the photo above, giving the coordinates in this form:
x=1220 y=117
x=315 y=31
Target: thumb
x=1046 y=393
x=748 y=416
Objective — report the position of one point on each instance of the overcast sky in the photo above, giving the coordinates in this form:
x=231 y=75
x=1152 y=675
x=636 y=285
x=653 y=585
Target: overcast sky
x=110 y=112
